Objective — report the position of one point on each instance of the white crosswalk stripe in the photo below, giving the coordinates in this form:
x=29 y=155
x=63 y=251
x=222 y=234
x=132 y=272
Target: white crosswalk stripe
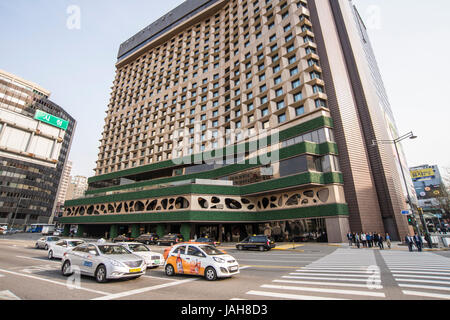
x=344 y=274
x=420 y=274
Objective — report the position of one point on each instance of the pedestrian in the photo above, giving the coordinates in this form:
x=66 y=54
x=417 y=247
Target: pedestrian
x=369 y=240
x=364 y=239
x=429 y=241
x=350 y=238
x=357 y=240
x=409 y=241
x=418 y=242
x=380 y=241
x=375 y=239
x=388 y=240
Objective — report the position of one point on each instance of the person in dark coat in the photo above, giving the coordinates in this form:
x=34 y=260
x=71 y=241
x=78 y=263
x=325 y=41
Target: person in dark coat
x=418 y=242
x=380 y=241
x=410 y=242
x=350 y=238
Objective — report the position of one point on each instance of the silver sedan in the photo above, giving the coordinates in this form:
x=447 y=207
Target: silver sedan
x=45 y=242
x=103 y=261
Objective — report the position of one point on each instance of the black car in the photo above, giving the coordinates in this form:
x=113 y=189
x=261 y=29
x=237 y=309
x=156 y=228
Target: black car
x=170 y=239
x=208 y=241
x=259 y=242
x=147 y=238
x=123 y=238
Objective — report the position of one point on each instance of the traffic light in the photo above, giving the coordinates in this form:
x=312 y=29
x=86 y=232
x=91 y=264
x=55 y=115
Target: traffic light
x=411 y=220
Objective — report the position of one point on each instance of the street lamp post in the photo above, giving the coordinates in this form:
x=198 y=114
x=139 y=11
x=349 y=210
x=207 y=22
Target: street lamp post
x=15 y=213
x=409 y=135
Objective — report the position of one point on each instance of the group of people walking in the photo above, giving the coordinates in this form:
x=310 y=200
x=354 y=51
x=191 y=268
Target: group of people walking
x=415 y=240
x=369 y=240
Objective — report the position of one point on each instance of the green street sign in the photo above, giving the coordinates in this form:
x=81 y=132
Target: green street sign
x=51 y=120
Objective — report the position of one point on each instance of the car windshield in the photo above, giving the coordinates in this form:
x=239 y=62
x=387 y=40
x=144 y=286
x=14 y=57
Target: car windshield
x=211 y=251
x=113 y=249
x=52 y=239
x=138 y=248
x=74 y=243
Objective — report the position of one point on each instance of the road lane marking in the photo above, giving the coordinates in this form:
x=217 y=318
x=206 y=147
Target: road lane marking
x=356 y=285
x=421 y=272
x=8 y=295
x=39 y=259
x=330 y=279
x=289 y=296
x=423 y=287
x=420 y=276
x=52 y=281
x=331 y=274
x=331 y=271
x=142 y=290
x=322 y=290
x=423 y=281
x=426 y=294
x=286 y=261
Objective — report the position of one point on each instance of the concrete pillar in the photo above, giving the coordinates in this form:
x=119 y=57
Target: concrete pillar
x=161 y=230
x=185 y=231
x=113 y=231
x=135 y=231
x=337 y=228
x=80 y=230
x=66 y=231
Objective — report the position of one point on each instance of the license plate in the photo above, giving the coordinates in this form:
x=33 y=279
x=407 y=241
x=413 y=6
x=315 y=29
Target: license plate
x=156 y=261
x=135 y=270
x=233 y=268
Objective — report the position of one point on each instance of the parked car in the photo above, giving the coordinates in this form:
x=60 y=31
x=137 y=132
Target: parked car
x=200 y=259
x=103 y=261
x=260 y=242
x=147 y=238
x=208 y=241
x=152 y=259
x=170 y=239
x=122 y=238
x=57 y=249
x=44 y=242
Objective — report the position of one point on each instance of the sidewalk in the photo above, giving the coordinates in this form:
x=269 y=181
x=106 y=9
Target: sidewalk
x=394 y=246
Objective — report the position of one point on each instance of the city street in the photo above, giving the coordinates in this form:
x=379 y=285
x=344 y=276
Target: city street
x=305 y=272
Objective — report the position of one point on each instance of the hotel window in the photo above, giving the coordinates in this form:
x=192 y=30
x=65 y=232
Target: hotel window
x=292 y=59
x=264 y=100
x=279 y=92
x=317 y=88
x=262 y=77
x=298 y=97
x=277 y=80
x=250 y=107
x=295 y=83
x=314 y=75
x=299 y=111
x=276 y=69
x=280 y=105
x=266 y=124
x=272 y=38
x=320 y=103
x=215 y=123
x=262 y=88
x=282 y=118
x=265 y=112
x=287 y=28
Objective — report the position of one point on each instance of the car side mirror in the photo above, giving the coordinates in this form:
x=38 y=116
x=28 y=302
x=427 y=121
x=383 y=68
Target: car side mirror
x=93 y=252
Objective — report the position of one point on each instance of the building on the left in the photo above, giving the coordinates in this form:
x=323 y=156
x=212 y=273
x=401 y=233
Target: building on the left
x=35 y=140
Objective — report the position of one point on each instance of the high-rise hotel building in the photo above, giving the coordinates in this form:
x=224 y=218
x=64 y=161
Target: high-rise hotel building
x=237 y=117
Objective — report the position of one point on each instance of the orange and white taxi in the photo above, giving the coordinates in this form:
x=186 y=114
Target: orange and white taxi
x=200 y=259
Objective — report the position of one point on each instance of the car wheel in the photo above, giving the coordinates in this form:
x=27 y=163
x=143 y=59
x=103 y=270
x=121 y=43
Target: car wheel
x=210 y=274
x=159 y=243
x=147 y=242
x=239 y=248
x=100 y=274
x=67 y=269
x=261 y=248
x=170 y=271
x=36 y=246
x=50 y=255
x=46 y=247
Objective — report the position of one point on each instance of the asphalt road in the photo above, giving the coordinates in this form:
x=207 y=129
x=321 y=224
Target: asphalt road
x=310 y=271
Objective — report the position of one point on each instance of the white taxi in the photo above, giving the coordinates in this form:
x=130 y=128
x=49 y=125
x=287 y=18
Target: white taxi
x=200 y=259
x=152 y=259
x=103 y=261
x=57 y=249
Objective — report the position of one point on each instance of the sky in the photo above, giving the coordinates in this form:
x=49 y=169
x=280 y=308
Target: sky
x=70 y=48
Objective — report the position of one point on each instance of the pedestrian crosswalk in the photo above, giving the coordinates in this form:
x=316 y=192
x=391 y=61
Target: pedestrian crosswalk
x=420 y=274
x=344 y=274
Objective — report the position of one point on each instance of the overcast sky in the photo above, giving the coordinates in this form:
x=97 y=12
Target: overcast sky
x=41 y=41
